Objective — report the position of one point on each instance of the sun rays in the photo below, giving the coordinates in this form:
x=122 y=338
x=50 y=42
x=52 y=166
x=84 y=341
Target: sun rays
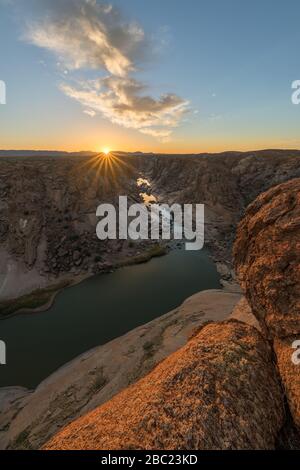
x=107 y=169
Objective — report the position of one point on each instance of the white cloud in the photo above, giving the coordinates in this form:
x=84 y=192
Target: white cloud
x=86 y=34
x=122 y=102
x=90 y=112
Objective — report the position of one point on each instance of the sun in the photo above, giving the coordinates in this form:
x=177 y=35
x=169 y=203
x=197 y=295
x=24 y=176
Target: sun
x=106 y=150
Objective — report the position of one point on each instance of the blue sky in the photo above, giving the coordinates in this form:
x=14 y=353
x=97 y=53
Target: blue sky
x=226 y=68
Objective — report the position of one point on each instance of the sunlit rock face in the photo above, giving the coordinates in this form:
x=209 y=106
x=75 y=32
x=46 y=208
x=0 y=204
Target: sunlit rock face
x=220 y=391
x=267 y=258
x=290 y=374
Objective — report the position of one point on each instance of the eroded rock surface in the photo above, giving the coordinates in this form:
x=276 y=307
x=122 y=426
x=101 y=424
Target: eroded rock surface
x=29 y=419
x=48 y=207
x=220 y=391
x=267 y=258
x=48 y=219
x=242 y=312
x=289 y=371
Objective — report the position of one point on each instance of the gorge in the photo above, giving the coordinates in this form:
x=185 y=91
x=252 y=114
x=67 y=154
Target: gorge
x=60 y=223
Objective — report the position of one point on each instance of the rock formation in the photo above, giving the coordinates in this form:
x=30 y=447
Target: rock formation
x=290 y=373
x=48 y=205
x=48 y=219
x=220 y=391
x=267 y=258
x=242 y=311
x=28 y=419
x=199 y=397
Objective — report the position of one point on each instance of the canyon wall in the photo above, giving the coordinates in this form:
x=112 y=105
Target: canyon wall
x=227 y=388
x=242 y=370
x=48 y=207
x=267 y=260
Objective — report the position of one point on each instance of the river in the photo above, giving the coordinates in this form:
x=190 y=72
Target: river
x=98 y=310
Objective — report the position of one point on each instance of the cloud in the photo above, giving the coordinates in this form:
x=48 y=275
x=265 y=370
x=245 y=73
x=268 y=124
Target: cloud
x=121 y=100
x=91 y=35
x=90 y=112
x=85 y=34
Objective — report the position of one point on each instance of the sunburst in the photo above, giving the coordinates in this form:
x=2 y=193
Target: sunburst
x=107 y=168
x=106 y=151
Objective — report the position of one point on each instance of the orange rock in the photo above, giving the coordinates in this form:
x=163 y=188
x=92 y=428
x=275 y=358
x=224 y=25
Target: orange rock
x=290 y=373
x=220 y=391
x=267 y=258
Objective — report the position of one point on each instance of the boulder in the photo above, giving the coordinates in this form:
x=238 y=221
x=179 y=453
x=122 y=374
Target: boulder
x=289 y=368
x=267 y=259
x=242 y=312
x=220 y=391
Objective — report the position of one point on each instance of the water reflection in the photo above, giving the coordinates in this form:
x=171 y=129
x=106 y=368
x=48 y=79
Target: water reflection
x=147 y=197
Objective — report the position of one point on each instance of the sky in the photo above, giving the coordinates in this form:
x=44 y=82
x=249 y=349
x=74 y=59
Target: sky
x=154 y=76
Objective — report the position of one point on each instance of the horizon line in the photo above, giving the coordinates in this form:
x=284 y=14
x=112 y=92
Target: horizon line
x=92 y=152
